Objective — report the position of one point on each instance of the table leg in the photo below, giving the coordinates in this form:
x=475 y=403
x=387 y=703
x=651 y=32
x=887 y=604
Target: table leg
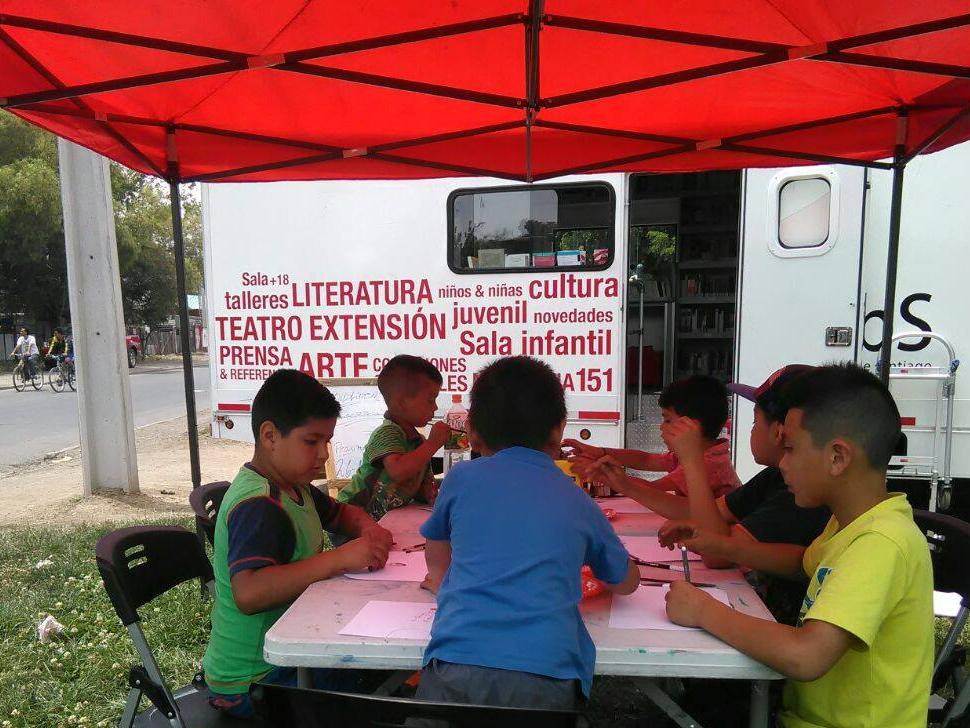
x=760 y=704
x=667 y=705
x=303 y=677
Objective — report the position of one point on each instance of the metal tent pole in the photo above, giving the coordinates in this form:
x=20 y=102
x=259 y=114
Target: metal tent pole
x=892 y=258
x=188 y=375
x=889 y=305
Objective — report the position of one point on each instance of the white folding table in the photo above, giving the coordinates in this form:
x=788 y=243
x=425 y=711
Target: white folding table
x=307 y=635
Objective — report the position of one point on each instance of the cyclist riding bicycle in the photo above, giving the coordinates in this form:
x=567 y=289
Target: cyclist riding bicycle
x=26 y=349
x=60 y=346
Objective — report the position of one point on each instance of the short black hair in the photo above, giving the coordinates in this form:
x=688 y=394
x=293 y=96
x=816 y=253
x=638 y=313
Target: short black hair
x=288 y=398
x=402 y=373
x=516 y=402
x=58 y=331
x=773 y=402
x=844 y=400
x=700 y=397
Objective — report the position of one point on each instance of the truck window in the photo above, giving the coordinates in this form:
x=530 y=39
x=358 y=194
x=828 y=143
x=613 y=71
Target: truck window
x=804 y=208
x=531 y=229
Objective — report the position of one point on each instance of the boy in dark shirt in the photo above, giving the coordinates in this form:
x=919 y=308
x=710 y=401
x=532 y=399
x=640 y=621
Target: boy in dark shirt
x=762 y=510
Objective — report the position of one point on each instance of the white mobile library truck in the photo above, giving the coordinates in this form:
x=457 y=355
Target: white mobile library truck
x=621 y=282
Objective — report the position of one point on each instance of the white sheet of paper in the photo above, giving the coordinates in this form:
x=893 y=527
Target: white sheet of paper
x=392 y=620
x=400 y=566
x=647 y=548
x=623 y=505
x=646 y=608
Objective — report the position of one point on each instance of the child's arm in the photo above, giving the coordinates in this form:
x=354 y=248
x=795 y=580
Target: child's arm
x=259 y=590
x=686 y=440
x=354 y=521
x=401 y=467
x=801 y=653
x=437 y=555
x=609 y=471
x=636 y=459
x=630 y=582
x=779 y=559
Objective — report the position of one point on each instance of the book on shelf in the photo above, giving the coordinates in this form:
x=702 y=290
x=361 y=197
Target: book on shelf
x=491 y=257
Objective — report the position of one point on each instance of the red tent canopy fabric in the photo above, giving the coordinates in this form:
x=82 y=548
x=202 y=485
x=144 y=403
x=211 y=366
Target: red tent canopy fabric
x=247 y=90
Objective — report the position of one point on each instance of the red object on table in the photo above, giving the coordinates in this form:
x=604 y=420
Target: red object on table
x=591 y=585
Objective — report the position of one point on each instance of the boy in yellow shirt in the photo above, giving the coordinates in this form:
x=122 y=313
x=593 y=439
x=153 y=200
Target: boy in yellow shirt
x=862 y=653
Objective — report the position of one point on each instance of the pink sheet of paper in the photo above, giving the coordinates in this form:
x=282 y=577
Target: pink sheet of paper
x=646 y=608
x=400 y=566
x=392 y=620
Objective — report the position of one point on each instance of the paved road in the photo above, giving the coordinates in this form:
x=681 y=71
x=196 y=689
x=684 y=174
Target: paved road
x=34 y=423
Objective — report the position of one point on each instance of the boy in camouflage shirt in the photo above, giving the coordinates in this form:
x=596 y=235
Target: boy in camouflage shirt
x=396 y=468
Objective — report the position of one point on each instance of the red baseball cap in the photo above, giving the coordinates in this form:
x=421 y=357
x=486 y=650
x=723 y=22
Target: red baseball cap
x=772 y=384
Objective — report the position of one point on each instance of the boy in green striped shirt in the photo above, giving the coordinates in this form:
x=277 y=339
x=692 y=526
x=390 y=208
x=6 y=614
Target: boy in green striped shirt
x=396 y=467
x=270 y=541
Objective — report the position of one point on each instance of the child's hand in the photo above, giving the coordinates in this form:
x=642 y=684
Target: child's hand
x=674 y=533
x=582 y=466
x=363 y=553
x=582 y=449
x=685 y=604
x=684 y=438
x=607 y=471
x=440 y=433
x=430 y=584
x=379 y=534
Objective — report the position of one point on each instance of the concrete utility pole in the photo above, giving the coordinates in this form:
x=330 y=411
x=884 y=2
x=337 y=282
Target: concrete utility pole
x=104 y=394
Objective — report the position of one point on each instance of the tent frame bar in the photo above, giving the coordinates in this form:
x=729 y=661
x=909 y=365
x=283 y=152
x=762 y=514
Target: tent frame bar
x=233 y=61
x=188 y=375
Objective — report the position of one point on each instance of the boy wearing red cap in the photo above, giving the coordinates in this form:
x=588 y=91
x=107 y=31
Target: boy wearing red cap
x=762 y=511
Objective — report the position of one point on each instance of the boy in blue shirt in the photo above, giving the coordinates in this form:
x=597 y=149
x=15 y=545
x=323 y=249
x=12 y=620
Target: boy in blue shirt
x=506 y=541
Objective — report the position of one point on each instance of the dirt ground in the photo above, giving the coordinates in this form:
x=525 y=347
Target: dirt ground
x=48 y=492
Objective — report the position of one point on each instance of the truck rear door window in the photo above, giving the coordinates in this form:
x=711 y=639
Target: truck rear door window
x=531 y=229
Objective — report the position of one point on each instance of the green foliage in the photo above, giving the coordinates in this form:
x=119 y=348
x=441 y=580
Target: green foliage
x=33 y=277
x=32 y=264
x=656 y=250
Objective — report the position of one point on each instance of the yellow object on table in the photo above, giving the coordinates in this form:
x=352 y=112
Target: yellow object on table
x=567 y=468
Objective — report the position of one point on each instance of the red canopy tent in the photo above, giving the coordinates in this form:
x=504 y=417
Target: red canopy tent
x=241 y=90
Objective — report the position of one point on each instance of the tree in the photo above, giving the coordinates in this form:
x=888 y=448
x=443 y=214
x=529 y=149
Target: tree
x=33 y=277
x=146 y=251
x=32 y=263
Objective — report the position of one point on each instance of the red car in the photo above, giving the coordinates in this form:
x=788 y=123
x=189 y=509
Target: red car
x=133 y=347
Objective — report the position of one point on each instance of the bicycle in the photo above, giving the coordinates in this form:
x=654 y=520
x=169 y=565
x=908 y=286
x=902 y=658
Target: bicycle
x=22 y=374
x=62 y=373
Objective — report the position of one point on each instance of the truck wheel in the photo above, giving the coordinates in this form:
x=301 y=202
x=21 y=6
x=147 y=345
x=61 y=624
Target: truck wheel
x=132 y=358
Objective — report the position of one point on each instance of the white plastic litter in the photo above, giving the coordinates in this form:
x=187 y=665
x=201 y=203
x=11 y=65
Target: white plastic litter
x=48 y=627
x=43 y=564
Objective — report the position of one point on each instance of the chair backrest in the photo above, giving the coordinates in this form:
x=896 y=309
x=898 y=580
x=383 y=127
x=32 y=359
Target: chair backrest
x=138 y=564
x=282 y=706
x=949 y=540
x=205 y=501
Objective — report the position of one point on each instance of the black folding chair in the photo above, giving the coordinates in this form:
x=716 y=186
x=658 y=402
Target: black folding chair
x=205 y=501
x=138 y=564
x=285 y=707
x=949 y=541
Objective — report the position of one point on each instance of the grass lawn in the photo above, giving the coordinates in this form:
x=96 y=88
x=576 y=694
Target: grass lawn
x=80 y=678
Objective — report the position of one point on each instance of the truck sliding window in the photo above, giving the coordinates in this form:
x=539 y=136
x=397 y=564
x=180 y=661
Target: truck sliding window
x=531 y=229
